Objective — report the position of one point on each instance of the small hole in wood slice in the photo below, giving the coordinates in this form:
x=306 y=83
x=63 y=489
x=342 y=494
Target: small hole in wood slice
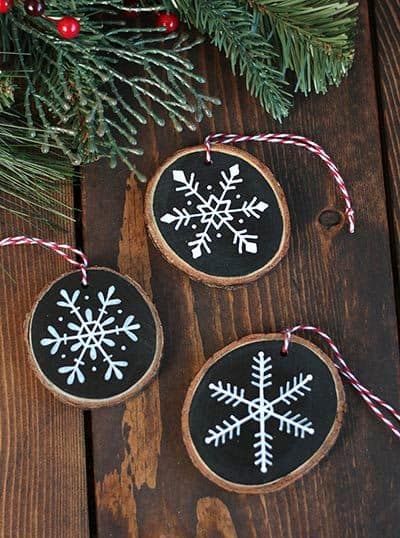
x=284 y=353
x=329 y=218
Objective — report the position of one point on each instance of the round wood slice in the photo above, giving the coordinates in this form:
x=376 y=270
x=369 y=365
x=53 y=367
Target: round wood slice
x=254 y=421
x=94 y=345
x=224 y=223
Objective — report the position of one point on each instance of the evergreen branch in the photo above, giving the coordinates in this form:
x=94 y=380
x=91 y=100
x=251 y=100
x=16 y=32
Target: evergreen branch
x=75 y=95
x=314 y=38
x=83 y=75
x=29 y=176
x=230 y=27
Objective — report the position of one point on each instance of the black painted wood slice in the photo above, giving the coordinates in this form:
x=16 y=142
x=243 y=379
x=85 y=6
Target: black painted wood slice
x=95 y=345
x=254 y=421
x=223 y=223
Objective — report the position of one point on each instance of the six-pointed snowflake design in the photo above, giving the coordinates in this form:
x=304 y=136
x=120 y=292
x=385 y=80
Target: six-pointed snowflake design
x=261 y=410
x=90 y=335
x=215 y=212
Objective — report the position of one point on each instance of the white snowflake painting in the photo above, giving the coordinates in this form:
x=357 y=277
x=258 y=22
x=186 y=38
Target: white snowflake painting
x=214 y=215
x=261 y=410
x=92 y=335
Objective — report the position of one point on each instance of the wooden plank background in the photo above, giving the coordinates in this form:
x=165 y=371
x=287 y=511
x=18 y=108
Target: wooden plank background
x=387 y=41
x=42 y=442
x=140 y=481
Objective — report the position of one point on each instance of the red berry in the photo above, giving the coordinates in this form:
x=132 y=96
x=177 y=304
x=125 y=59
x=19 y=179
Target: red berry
x=35 y=8
x=5 y=5
x=170 y=21
x=68 y=27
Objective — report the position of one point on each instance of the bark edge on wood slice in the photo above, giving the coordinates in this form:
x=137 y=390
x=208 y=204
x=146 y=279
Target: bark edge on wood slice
x=266 y=183
x=150 y=324
x=325 y=439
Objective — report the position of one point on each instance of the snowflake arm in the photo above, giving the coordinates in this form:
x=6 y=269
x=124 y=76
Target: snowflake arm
x=261 y=371
x=189 y=187
x=294 y=424
x=108 y=300
x=228 y=182
x=74 y=372
x=54 y=342
x=263 y=450
x=114 y=367
x=179 y=217
x=200 y=244
x=229 y=428
x=289 y=393
x=292 y=390
x=70 y=302
x=254 y=208
x=128 y=327
x=230 y=394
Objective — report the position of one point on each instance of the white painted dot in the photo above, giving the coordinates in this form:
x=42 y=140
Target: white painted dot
x=209 y=187
x=63 y=356
x=119 y=311
x=241 y=221
x=194 y=226
x=94 y=369
x=123 y=348
x=237 y=196
x=219 y=235
x=60 y=318
x=189 y=202
x=86 y=297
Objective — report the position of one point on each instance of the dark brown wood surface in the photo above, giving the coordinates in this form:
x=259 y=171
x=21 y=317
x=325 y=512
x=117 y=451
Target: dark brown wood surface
x=387 y=43
x=42 y=442
x=140 y=481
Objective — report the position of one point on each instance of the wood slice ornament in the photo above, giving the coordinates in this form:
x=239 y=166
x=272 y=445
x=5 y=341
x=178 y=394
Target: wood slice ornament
x=223 y=218
x=94 y=338
x=254 y=421
x=223 y=223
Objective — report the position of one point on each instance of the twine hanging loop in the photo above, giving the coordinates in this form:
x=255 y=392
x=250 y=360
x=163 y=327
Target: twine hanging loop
x=378 y=406
x=61 y=249
x=288 y=139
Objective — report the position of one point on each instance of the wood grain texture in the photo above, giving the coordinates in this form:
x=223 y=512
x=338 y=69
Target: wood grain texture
x=42 y=462
x=341 y=282
x=214 y=519
x=141 y=420
x=387 y=31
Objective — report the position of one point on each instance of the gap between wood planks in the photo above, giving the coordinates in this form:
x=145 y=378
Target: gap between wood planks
x=87 y=415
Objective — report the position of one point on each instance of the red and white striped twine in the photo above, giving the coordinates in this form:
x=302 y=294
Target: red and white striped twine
x=296 y=140
x=376 y=404
x=55 y=247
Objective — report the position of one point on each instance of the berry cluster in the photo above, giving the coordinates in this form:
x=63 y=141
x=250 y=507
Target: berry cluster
x=69 y=27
